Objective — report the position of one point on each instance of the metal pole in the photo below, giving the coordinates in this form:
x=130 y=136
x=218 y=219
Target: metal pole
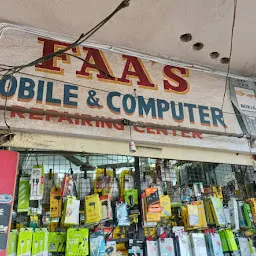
x=118 y=121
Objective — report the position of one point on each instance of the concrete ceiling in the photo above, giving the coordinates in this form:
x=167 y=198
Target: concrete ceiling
x=152 y=27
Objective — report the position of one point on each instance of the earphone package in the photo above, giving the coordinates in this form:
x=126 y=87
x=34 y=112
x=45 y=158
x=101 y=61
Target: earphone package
x=106 y=209
x=92 y=209
x=77 y=242
x=40 y=242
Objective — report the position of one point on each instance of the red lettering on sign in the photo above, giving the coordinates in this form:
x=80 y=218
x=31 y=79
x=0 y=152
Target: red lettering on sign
x=35 y=116
x=134 y=68
x=98 y=59
x=19 y=114
x=50 y=47
x=175 y=83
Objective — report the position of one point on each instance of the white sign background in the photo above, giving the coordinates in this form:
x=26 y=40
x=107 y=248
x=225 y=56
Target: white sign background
x=20 y=47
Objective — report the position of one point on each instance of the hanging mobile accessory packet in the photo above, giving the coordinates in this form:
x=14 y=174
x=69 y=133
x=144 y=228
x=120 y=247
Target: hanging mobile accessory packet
x=106 y=209
x=166 y=247
x=184 y=245
x=244 y=246
x=122 y=214
x=97 y=244
x=67 y=186
x=71 y=212
x=165 y=202
x=213 y=243
x=152 y=248
x=23 y=195
x=201 y=212
x=57 y=242
x=132 y=200
x=37 y=183
x=25 y=242
x=147 y=216
x=92 y=209
x=12 y=243
x=40 y=242
x=152 y=200
x=198 y=244
x=77 y=242
x=193 y=216
x=135 y=247
x=55 y=202
x=218 y=211
x=234 y=217
x=111 y=248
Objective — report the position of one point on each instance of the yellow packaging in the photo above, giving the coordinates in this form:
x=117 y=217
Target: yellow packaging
x=252 y=203
x=202 y=218
x=53 y=226
x=151 y=216
x=193 y=216
x=125 y=174
x=92 y=209
x=184 y=215
x=217 y=191
x=165 y=202
x=150 y=232
x=119 y=232
x=208 y=211
x=55 y=203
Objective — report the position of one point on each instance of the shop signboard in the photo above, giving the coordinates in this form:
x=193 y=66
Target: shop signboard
x=124 y=87
x=8 y=174
x=243 y=97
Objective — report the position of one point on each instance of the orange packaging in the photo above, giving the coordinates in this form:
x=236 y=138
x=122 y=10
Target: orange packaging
x=152 y=200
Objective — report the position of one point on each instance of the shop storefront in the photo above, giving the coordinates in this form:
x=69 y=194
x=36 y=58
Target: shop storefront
x=133 y=149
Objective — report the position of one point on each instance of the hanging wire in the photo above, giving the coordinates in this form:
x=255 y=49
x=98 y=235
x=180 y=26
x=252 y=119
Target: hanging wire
x=230 y=51
x=11 y=70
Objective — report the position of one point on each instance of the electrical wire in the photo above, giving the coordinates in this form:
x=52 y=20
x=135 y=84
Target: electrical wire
x=83 y=37
x=230 y=51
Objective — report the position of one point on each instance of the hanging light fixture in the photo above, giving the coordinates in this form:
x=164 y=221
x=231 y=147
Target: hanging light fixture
x=132 y=146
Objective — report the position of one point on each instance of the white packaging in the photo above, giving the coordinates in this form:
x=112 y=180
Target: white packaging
x=184 y=245
x=166 y=247
x=152 y=248
x=111 y=248
x=216 y=244
x=198 y=245
x=244 y=246
x=234 y=217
